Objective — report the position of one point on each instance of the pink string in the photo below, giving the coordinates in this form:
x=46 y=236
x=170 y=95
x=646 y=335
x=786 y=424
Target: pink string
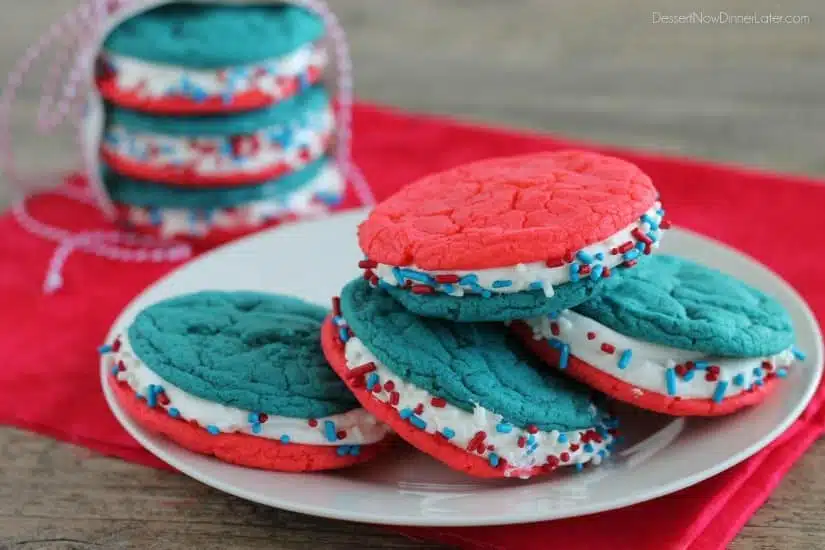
x=80 y=30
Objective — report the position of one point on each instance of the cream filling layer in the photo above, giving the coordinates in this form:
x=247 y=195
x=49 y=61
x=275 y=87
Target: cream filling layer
x=654 y=368
x=598 y=258
x=306 y=201
x=521 y=449
x=357 y=426
x=159 y=80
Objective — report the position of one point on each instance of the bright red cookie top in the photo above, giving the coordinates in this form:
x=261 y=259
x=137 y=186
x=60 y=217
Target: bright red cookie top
x=504 y=211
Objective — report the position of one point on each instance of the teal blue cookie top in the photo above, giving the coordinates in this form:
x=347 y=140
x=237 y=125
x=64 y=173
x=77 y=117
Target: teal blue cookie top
x=675 y=302
x=468 y=364
x=253 y=351
x=210 y=35
x=301 y=109
x=126 y=190
x=498 y=307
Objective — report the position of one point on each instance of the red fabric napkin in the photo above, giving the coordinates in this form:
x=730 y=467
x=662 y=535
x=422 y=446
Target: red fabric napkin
x=49 y=383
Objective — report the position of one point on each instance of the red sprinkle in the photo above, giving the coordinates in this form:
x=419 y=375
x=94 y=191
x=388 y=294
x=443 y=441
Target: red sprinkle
x=389 y=385
x=313 y=423
x=555 y=263
x=376 y=388
x=606 y=272
x=591 y=335
x=713 y=369
x=163 y=399
x=614 y=250
x=121 y=366
x=367 y=264
x=690 y=365
x=574 y=447
x=608 y=348
x=421 y=289
x=767 y=365
x=491 y=447
x=419 y=408
x=521 y=441
x=553 y=461
x=565 y=456
x=710 y=377
x=629 y=263
x=532 y=429
x=477 y=441
x=394 y=398
x=584 y=270
x=262 y=417
x=446 y=279
x=568 y=256
x=374 y=280
x=639 y=235
x=116 y=344
x=341 y=434
x=664 y=224
x=625 y=247
x=364 y=369
x=194 y=422
x=681 y=370
x=368 y=274
x=648 y=249
x=336 y=306
x=438 y=402
x=554 y=328
x=770 y=375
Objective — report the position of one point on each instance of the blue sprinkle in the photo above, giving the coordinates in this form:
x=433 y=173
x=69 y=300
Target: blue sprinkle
x=285 y=439
x=739 y=379
x=173 y=412
x=343 y=334
x=405 y=413
x=343 y=450
x=782 y=373
x=470 y=279
x=798 y=354
x=624 y=360
x=689 y=375
x=139 y=395
x=504 y=428
x=588 y=447
x=329 y=430
x=562 y=438
x=579 y=466
x=554 y=343
x=596 y=272
x=213 y=429
x=418 y=422
x=493 y=459
x=413 y=275
x=152 y=396
x=660 y=212
x=532 y=449
x=448 y=433
x=536 y=285
x=115 y=370
x=553 y=315
x=602 y=431
x=154 y=216
x=105 y=348
x=653 y=236
x=640 y=246
x=631 y=254
x=399 y=280
x=564 y=356
x=650 y=221
x=758 y=382
x=355 y=450
x=574 y=272
x=670 y=379
x=584 y=257
x=372 y=380
x=252 y=418
x=486 y=293
x=602 y=453
x=256 y=427
x=719 y=393
x=757 y=371
x=599 y=256
x=531 y=439
x=502 y=283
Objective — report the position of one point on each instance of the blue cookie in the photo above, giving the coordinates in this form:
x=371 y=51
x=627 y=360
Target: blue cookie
x=675 y=302
x=133 y=192
x=468 y=394
x=213 y=35
x=298 y=110
x=241 y=375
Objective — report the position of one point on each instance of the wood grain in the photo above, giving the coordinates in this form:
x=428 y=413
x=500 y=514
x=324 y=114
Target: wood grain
x=598 y=70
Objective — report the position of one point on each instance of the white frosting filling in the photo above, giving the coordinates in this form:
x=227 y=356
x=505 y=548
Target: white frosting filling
x=534 y=275
x=291 y=146
x=304 y=202
x=652 y=367
x=463 y=426
x=273 y=77
x=361 y=427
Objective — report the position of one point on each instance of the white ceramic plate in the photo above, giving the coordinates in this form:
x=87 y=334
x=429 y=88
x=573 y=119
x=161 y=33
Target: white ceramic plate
x=313 y=260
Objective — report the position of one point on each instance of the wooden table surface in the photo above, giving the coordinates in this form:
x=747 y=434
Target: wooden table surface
x=593 y=69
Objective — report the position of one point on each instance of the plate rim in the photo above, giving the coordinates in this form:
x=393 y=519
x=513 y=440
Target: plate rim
x=145 y=438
